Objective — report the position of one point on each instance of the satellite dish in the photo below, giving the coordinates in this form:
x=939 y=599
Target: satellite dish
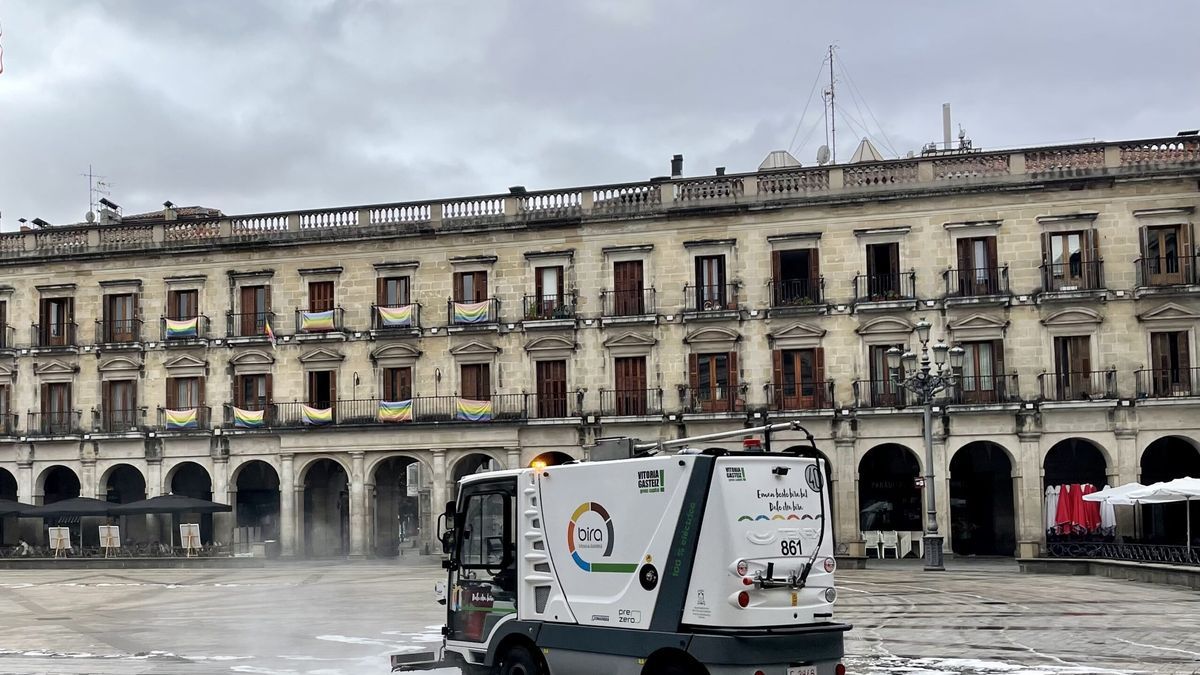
x=823 y=155
x=90 y=217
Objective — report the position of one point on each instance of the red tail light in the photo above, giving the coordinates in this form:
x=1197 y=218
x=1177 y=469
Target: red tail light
x=839 y=670
x=743 y=599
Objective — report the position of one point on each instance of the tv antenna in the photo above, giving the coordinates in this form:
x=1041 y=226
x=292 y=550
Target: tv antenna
x=98 y=186
x=831 y=110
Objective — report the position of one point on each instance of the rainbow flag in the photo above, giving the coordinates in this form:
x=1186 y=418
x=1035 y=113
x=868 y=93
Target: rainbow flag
x=270 y=333
x=316 y=416
x=313 y=322
x=395 y=317
x=249 y=419
x=185 y=328
x=471 y=312
x=181 y=419
x=473 y=411
x=395 y=411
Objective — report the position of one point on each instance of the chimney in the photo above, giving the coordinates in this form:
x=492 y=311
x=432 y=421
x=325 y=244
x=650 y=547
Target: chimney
x=720 y=171
x=676 y=166
x=169 y=212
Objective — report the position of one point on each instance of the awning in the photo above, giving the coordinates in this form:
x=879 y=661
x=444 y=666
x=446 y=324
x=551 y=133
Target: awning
x=169 y=504
x=1178 y=490
x=1117 y=496
x=8 y=507
x=75 y=506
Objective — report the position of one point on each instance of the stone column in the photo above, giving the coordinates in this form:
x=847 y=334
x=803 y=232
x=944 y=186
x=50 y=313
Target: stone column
x=844 y=497
x=1127 y=470
x=222 y=522
x=287 y=506
x=358 y=507
x=1030 y=497
x=27 y=527
x=154 y=485
x=438 y=483
x=512 y=458
x=371 y=518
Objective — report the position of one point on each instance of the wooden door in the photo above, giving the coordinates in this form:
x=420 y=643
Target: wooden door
x=630 y=391
x=548 y=291
x=56 y=317
x=982 y=372
x=256 y=306
x=1073 y=363
x=800 y=379
x=477 y=381
x=397 y=384
x=710 y=283
x=120 y=311
x=883 y=271
x=4 y=324
x=628 y=288
x=320 y=296
x=1164 y=255
x=183 y=305
x=56 y=407
x=1170 y=358
x=392 y=292
x=977 y=267
x=551 y=388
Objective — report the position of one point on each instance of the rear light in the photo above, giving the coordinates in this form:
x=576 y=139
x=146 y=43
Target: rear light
x=830 y=594
x=747 y=581
x=830 y=565
x=839 y=670
x=759 y=672
x=742 y=568
x=743 y=599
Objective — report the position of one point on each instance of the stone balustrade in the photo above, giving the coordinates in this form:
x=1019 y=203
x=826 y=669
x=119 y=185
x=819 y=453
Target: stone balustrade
x=659 y=196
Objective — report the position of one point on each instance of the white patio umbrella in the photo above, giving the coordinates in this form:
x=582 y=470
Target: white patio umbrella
x=1178 y=490
x=1115 y=496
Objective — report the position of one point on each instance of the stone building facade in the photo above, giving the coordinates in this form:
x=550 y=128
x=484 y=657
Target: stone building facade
x=499 y=329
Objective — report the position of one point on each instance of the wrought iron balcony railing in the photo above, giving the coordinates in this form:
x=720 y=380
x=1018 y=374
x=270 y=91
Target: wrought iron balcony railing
x=631 y=402
x=183 y=328
x=639 y=302
x=327 y=321
x=1078 y=385
x=885 y=287
x=976 y=282
x=882 y=394
x=1079 y=275
x=713 y=399
x=797 y=292
x=117 y=420
x=711 y=298
x=54 y=335
x=249 y=324
x=549 y=307
x=483 y=312
x=1168 y=270
x=118 y=331
x=811 y=395
x=396 y=317
x=55 y=423
x=185 y=418
x=8 y=336
x=985 y=390
x=1168 y=382
x=8 y=424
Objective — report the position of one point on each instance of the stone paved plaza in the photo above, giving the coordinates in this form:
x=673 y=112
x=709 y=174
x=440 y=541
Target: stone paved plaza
x=344 y=619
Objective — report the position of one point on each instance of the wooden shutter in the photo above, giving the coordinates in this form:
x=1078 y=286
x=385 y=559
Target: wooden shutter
x=485 y=381
x=693 y=373
x=481 y=286
x=964 y=254
x=561 y=275
x=894 y=259
x=1186 y=264
x=270 y=390
x=389 y=387
x=777 y=367
x=821 y=388
x=1047 y=261
x=172 y=398
x=539 y=290
x=200 y=391
x=458 y=286
x=333 y=387
x=776 y=268
x=814 y=274
x=320 y=296
x=733 y=375
x=381 y=291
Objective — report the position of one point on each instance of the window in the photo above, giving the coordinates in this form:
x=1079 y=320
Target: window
x=476 y=381
x=183 y=305
x=883 y=392
x=629 y=298
x=119 y=317
x=485 y=532
x=320 y=296
x=982 y=376
x=4 y=338
x=256 y=307
x=883 y=271
x=977 y=267
x=1072 y=260
x=470 y=286
x=795 y=278
x=392 y=292
x=57 y=318
x=252 y=392
x=486 y=555
x=551 y=388
x=548 y=292
x=1073 y=366
x=185 y=392
x=6 y=422
x=1170 y=358
x=57 y=416
x=800 y=379
x=322 y=388
x=119 y=405
x=710 y=283
x=713 y=379
x=397 y=384
x=1166 y=252
x=630 y=385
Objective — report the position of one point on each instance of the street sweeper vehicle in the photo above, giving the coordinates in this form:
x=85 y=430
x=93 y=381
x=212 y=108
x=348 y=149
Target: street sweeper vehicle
x=643 y=560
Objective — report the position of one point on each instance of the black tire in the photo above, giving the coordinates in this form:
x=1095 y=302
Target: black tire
x=680 y=668
x=518 y=660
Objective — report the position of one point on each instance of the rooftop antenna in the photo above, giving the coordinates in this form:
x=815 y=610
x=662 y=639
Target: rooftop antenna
x=831 y=114
x=98 y=186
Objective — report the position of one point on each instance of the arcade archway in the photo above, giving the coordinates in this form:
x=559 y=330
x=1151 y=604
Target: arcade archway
x=257 y=485
x=888 y=496
x=192 y=480
x=59 y=483
x=552 y=458
x=123 y=485
x=476 y=462
x=398 y=512
x=1166 y=459
x=8 y=524
x=1075 y=461
x=982 y=513
x=326 y=510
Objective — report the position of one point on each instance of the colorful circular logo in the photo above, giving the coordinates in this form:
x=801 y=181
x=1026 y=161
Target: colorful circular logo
x=589 y=535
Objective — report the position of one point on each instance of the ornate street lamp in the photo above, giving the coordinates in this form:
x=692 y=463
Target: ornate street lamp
x=927 y=378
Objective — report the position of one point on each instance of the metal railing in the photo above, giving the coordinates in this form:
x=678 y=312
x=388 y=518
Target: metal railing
x=812 y=395
x=885 y=287
x=628 y=303
x=423 y=409
x=985 y=389
x=117 y=420
x=631 y=401
x=713 y=399
x=710 y=298
x=1175 y=270
x=1078 y=386
x=551 y=406
x=461 y=314
x=8 y=336
x=414 y=322
x=55 y=423
x=797 y=292
x=202 y=328
x=1167 y=382
x=548 y=307
x=316 y=322
x=116 y=331
x=203 y=418
x=976 y=282
x=1150 y=553
x=882 y=394
x=54 y=335
x=249 y=324
x=8 y=424
x=268 y=410
x=1079 y=275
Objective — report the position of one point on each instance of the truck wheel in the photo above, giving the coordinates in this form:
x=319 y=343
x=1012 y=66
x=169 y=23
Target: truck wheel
x=681 y=668
x=519 y=661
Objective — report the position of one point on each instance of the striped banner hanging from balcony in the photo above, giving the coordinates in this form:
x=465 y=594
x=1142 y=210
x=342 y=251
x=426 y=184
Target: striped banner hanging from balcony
x=396 y=411
x=249 y=419
x=471 y=312
x=395 y=317
x=468 y=410
x=184 y=328
x=181 y=419
x=316 y=416
x=316 y=322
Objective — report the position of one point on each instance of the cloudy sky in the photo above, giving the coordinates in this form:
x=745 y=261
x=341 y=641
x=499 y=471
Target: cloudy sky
x=257 y=105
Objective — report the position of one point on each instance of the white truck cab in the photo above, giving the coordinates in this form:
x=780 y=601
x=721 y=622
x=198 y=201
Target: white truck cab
x=687 y=563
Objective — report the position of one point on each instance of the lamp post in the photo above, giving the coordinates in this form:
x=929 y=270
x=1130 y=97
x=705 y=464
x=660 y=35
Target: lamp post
x=926 y=379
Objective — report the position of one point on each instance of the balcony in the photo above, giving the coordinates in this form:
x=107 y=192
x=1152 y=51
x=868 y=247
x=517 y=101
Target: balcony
x=702 y=400
x=798 y=294
x=55 y=423
x=319 y=323
x=250 y=416
x=1092 y=385
x=249 y=324
x=118 y=331
x=396 y=320
x=972 y=285
x=1168 y=382
x=628 y=304
x=8 y=337
x=711 y=301
x=8 y=424
x=886 y=291
x=553 y=308
x=55 y=335
x=116 y=420
x=189 y=418
x=556 y=406
x=985 y=390
x=463 y=315
x=1167 y=275
x=498 y=407
x=801 y=396
x=882 y=394
x=631 y=402
x=1071 y=279
x=185 y=330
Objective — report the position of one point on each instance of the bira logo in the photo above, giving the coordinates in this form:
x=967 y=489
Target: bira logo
x=652 y=481
x=735 y=473
x=591 y=537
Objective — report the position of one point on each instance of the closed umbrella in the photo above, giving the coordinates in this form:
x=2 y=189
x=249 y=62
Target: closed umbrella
x=170 y=504
x=1051 y=506
x=75 y=506
x=1064 y=517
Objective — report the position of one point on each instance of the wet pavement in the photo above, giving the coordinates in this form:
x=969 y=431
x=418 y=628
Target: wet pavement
x=345 y=619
